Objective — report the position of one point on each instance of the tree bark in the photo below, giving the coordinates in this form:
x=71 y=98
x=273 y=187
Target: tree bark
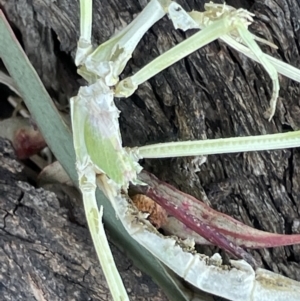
x=214 y=93
x=45 y=248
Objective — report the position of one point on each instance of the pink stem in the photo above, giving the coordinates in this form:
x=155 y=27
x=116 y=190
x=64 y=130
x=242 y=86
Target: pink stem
x=158 y=191
x=218 y=228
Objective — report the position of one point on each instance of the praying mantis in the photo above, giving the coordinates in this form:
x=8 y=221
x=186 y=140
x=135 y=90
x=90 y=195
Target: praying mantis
x=95 y=127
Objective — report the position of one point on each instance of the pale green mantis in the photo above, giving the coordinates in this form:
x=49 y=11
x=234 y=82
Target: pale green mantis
x=95 y=127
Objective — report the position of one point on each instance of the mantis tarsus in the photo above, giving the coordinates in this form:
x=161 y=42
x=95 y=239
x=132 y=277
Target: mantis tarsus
x=95 y=127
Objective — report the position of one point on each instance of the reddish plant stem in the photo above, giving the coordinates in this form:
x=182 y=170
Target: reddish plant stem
x=217 y=228
x=181 y=212
x=205 y=230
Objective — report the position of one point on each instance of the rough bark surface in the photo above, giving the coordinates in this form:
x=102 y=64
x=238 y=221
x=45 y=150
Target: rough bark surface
x=215 y=92
x=45 y=249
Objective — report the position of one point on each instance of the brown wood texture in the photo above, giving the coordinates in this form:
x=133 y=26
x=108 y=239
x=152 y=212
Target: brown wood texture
x=45 y=249
x=215 y=92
